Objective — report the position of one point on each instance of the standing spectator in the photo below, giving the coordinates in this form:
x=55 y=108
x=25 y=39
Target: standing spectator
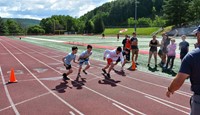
x=128 y=48
x=117 y=37
x=124 y=41
x=134 y=48
x=189 y=69
x=164 y=43
x=183 y=47
x=171 y=54
x=103 y=36
x=153 y=44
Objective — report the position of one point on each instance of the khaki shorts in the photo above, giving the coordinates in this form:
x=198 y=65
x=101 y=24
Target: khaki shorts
x=135 y=51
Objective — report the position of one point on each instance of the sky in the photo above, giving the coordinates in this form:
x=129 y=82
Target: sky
x=38 y=9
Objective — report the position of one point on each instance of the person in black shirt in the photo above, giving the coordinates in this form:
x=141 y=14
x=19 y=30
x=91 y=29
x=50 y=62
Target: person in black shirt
x=153 y=44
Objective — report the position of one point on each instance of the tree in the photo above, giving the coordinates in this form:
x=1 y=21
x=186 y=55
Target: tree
x=13 y=27
x=131 y=21
x=193 y=13
x=175 y=11
x=3 y=27
x=98 y=25
x=35 y=30
x=144 y=22
x=158 y=22
x=89 y=26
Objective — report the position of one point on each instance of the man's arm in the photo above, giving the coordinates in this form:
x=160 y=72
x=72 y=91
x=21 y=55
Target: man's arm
x=176 y=83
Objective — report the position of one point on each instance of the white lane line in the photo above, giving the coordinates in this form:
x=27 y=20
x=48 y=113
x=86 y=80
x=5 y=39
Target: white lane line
x=128 y=112
x=83 y=86
x=62 y=100
x=59 y=41
x=114 y=100
x=146 y=94
x=169 y=102
x=27 y=100
x=100 y=78
x=167 y=105
x=71 y=113
x=179 y=92
x=8 y=94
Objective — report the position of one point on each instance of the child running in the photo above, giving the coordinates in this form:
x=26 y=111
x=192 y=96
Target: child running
x=67 y=62
x=153 y=44
x=84 y=59
x=124 y=53
x=111 y=56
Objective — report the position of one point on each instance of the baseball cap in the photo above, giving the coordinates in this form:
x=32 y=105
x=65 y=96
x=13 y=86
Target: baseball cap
x=197 y=30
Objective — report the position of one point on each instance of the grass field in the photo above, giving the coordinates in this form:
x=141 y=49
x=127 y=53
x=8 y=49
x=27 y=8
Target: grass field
x=140 y=31
x=109 y=41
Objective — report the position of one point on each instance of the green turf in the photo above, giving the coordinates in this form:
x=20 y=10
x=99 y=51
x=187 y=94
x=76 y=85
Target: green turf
x=110 y=41
x=140 y=31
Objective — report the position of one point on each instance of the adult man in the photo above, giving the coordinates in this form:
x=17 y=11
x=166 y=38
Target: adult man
x=189 y=68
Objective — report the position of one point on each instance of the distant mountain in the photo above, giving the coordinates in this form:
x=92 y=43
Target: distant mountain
x=25 y=22
x=116 y=13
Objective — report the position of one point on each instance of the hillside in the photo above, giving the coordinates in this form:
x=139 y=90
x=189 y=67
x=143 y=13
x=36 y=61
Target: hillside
x=116 y=13
x=25 y=22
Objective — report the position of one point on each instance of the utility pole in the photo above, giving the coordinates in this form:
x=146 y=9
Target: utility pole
x=135 y=14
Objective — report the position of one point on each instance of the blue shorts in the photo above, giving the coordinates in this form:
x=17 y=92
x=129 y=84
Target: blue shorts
x=85 y=61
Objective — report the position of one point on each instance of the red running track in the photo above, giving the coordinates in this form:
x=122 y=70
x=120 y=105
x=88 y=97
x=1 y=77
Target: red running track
x=40 y=89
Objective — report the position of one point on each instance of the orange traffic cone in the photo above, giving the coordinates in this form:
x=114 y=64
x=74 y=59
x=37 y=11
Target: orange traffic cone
x=12 y=76
x=133 y=66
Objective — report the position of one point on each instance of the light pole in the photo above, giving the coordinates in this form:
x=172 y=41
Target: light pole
x=135 y=14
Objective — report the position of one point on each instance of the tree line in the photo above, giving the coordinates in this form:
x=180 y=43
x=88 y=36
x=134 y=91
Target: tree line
x=150 y=13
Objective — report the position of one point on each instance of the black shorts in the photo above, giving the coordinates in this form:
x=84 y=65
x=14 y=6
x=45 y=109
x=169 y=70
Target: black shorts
x=68 y=67
x=118 y=60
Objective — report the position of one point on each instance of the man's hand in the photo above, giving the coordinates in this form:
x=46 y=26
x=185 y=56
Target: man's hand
x=168 y=93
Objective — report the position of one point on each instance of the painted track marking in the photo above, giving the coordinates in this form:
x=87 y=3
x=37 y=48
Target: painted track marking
x=71 y=79
x=167 y=105
x=8 y=94
x=121 y=85
x=123 y=109
x=95 y=75
x=42 y=83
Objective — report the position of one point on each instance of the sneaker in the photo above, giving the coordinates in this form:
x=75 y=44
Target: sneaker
x=84 y=72
x=155 y=66
x=65 y=78
x=104 y=71
x=137 y=63
x=108 y=75
x=148 y=65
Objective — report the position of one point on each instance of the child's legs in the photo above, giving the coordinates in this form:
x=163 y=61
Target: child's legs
x=109 y=61
x=110 y=68
x=136 y=55
x=172 y=62
x=155 y=57
x=69 y=72
x=150 y=55
x=164 y=57
x=87 y=65
x=168 y=60
x=124 y=63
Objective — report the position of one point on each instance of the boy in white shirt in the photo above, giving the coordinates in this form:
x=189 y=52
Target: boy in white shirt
x=112 y=56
